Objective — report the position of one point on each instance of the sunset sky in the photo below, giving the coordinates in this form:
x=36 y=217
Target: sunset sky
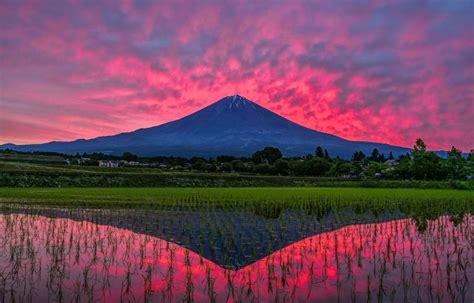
x=387 y=71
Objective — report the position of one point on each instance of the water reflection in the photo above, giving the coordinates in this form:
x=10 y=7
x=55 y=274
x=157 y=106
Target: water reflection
x=230 y=238
x=60 y=259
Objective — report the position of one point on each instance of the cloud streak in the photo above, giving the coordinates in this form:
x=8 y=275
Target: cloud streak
x=364 y=70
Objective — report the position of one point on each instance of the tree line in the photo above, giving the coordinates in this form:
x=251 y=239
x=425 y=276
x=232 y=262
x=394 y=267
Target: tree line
x=419 y=164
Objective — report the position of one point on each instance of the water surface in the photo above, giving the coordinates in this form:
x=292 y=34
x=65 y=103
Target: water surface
x=65 y=256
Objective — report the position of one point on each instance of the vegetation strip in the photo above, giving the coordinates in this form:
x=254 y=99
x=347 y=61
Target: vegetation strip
x=41 y=175
x=267 y=202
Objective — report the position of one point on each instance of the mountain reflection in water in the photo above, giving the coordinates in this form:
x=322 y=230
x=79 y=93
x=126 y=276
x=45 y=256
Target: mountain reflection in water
x=231 y=238
x=59 y=259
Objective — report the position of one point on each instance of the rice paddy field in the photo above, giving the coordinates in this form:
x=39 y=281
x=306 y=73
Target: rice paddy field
x=253 y=244
x=289 y=196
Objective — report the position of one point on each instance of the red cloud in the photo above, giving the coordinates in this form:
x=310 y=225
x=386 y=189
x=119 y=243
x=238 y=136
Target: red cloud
x=385 y=72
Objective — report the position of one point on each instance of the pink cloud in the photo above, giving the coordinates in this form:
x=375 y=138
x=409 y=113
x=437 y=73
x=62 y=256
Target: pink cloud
x=387 y=72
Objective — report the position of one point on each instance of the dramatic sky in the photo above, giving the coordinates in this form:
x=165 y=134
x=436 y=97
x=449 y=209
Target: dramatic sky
x=387 y=71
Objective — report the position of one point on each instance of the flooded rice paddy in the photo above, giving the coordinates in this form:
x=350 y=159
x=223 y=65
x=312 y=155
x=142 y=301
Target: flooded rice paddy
x=233 y=256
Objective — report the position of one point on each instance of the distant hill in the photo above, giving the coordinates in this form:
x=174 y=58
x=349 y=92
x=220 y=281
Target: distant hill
x=233 y=125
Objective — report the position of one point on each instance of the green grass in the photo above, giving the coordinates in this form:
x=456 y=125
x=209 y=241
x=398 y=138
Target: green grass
x=227 y=194
x=60 y=168
x=266 y=201
x=16 y=174
x=30 y=157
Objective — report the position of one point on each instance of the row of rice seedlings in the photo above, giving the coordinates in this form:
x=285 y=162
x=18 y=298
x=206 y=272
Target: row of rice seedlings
x=216 y=235
x=380 y=256
x=267 y=202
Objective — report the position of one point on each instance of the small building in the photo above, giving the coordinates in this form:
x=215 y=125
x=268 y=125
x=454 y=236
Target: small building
x=83 y=160
x=391 y=162
x=108 y=163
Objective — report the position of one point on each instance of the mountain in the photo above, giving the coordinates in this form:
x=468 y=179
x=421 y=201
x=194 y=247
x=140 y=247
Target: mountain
x=233 y=125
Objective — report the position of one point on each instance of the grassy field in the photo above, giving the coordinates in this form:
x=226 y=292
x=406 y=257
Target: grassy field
x=145 y=195
x=268 y=201
x=17 y=174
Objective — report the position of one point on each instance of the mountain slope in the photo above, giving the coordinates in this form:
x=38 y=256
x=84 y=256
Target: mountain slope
x=232 y=126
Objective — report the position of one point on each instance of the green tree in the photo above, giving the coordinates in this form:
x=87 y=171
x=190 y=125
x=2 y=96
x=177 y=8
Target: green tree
x=456 y=164
x=298 y=167
x=470 y=165
x=470 y=157
x=225 y=158
x=404 y=156
x=343 y=168
x=374 y=168
x=382 y=158
x=197 y=159
x=375 y=155
x=358 y=156
x=127 y=156
x=258 y=157
x=426 y=165
x=226 y=167
x=319 y=152
x=281 y=167
x=199 y=165
x=239 y=166
x=267 y=155
x=405 y=167
x=211 y=167
x=318 y=166
x=264 y=168
x=419 y=146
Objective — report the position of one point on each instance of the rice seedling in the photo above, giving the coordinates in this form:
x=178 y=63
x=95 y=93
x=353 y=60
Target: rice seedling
x=238 y=245
x=266 y=202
